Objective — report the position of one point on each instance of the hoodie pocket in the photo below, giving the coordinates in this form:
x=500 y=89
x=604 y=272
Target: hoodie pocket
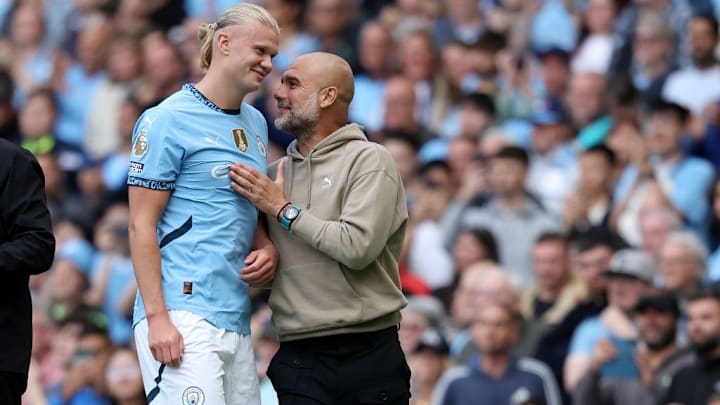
x=314 y=296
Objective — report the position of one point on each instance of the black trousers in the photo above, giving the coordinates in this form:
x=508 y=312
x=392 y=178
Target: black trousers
x=12 y=386
x=358 y=368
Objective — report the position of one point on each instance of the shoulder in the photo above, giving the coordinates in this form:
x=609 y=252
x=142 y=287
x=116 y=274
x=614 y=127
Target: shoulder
x=12 y=154
x=697 y=166
x=449 y=378
x=534 y=367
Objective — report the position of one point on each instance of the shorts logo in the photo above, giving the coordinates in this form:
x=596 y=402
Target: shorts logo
x=141 y=144
x=136 y=167
x=240 y=138
x=193 y=396
x=261 y=147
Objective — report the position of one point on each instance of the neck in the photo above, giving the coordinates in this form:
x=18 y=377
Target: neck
x=705 y=63
x=657 y=357
x=218 y=91
x=549 y=294
x=513 y=201
x=308 y=140
x=670 y=155
x=494 y=364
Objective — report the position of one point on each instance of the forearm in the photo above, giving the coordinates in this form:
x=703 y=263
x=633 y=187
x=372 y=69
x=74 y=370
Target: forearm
x=261 y=238
x=146 y=262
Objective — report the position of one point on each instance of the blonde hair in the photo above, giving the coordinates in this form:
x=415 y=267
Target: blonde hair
x=243 y=13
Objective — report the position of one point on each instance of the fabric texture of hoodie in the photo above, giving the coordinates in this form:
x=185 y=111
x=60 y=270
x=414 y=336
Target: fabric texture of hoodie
x=338 y=266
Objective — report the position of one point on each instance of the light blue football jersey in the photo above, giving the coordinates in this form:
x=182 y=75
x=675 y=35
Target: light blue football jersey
x=185 y=145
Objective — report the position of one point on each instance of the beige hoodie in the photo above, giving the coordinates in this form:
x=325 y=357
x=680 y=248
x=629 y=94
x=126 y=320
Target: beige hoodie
x=338 y=266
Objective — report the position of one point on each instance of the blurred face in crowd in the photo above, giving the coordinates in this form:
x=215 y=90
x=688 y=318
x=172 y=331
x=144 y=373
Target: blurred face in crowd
x=90 y=46
x=702 y=42
x=412 y=326
x=284 y=11
x=494 y=331
x=652 y=46
x=435 y=192
x=678 y=267
x=585 y=98
x=591 y=265
x=461 y=153
x=427 y=366
x=416 y=57
x=163 y=65
x=467 y=251
x=456 y=64
x=600 y=15
x=550 y=264
x=507 y=176
x=124 y=63
x=481 y=285
x=657 y=328
x=654 y=227
x=595 y=173
x=37 y=116
x=462 y=10
x=122 y=375
x=27 y=27
x=664 y=133
x=375 y=51
x=704 y=325
x=623 y=291
x=546 y=137
x=555 y=74
x=405 y=157
x=473 y=121
x=67 y=282
x=328 y=17
x=621 y=140
x=399 y=104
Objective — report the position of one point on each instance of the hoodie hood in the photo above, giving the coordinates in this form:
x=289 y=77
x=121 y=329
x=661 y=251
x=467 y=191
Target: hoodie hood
x=343 y=135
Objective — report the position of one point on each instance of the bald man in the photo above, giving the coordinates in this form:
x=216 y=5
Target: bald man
x=335 y=208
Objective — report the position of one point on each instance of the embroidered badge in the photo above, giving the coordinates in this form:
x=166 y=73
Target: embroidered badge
x=240 y=138
x=261 y=147
x=141 y=144
x=193 y=396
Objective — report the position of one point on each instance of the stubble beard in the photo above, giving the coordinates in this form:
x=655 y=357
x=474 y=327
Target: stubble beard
x=301 y=121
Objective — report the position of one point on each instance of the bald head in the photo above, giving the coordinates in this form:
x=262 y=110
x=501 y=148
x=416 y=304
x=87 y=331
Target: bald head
x=324 y=69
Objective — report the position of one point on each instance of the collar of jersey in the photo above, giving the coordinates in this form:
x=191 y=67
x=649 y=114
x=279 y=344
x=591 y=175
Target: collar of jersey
x=201 y=97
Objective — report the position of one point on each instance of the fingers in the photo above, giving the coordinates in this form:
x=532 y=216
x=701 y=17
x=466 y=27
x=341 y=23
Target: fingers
x=251 y=257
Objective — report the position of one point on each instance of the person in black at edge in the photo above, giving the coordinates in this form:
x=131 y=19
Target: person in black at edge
x=695 y=384
x=27 y=247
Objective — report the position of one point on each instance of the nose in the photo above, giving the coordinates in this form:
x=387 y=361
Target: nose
x=279 y=94
x=267 y=63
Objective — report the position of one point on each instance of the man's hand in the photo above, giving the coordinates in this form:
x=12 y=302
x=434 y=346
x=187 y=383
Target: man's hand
x=604 y=352
x=267 y=195
x=260 y=266
x=166 y=343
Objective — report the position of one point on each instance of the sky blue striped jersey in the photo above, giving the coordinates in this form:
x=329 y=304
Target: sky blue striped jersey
x=185 y=145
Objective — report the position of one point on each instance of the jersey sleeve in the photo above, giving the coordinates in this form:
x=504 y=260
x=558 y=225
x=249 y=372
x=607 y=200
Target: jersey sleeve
x=156 y=156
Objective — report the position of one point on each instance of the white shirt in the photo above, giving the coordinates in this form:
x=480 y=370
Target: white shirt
x=692 y=88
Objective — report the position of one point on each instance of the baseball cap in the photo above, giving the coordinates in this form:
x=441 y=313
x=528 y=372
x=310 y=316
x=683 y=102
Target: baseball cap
x=80 y=253
x=432 y=340
x=632 y=263
x=550 y=112
x=661 y=302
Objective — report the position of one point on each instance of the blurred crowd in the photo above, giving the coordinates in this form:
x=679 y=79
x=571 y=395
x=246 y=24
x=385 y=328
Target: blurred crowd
x=560 y=161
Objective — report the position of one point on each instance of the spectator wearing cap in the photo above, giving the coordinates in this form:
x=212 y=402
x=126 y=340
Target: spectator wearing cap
x=512 y=216
x=587 y=104
x=69 y=277
x=649 y=367
x=495 y=375
x=421 y=313
x=695 y=384
x=427 y=364
x=630 y=275
x=553 y=159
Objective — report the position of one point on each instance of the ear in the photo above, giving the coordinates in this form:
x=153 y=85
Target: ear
x=223 y=42
x=328 y=95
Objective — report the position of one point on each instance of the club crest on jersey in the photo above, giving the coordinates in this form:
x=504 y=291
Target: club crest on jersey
x=240 y=138
x=193 y=396
x=261 y=147
x=140 y=147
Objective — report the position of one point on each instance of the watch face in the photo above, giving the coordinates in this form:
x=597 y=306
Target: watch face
x=290 y=212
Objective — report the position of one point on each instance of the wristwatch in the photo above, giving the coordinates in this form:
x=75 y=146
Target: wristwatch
x=288 y=215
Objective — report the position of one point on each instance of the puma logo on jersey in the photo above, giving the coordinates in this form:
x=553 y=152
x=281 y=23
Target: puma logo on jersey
x=326 y=183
